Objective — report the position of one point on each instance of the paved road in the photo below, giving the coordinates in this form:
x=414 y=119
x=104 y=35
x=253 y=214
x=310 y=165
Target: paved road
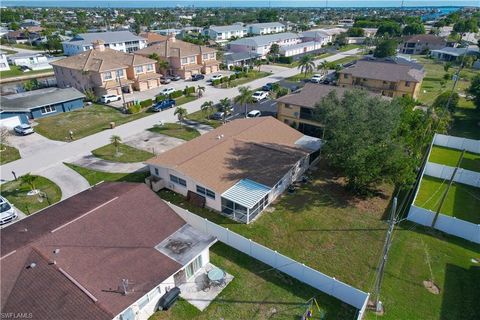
x=45 y=158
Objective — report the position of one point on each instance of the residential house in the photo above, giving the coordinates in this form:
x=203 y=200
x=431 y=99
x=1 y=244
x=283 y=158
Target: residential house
x=355 y=40
x=239 y=168
x=124 y=41
x=317 y=36
x=300 y=48
x=106 y=71
x=153 y=37
x=369 y=32
x=390 y=78
x=297 y=109
x=239 y=59
x=347 y=23
x=23 y=107
x=454 y=54
x=266 y=28
x=30 y=23
x=110 y=252
x=332 y=33
x=260 y=45
x=4 y=66
x=168 y=32
x=225 y=33
x=34 y=61
x=184 y=59
x=421 y=44
x=20 y=36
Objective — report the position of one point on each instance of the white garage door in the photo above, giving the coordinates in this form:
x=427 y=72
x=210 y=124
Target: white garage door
x=10 y=122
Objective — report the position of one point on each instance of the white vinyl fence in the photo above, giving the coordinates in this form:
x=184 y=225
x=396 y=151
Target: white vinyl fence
x=457 y=143
x=447 y=224
x=464 y=176
x=297 y=270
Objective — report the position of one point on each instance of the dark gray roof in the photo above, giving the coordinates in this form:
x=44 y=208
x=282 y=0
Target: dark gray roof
x=385 y=71
x=107 y=37
x=240 y=56
x=456 y=52
x=26 y=101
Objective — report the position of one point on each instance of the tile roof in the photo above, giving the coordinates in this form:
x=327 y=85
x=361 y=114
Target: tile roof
x=99 y=61
x=265 y=39
x=174 y=48
x=107 y=37
x=260 y=149
x=104 y=235
x=383 y=70
x=153 y=37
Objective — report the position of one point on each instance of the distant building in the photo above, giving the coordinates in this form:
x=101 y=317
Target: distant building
x=421 y=44
x=124 y=41
x=454 y=54
x=153 y=37
x=168 y=32
x=300 y=48
x=4 y=66
x=260 y=45
x=239 y=59
x=388 y=78
x=35 y=61
x=266 y=28
x=346 y=23
x=225 y=33
x=317 y=36
x=369 y=32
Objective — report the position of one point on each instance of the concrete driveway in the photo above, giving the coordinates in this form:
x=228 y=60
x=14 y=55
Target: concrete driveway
x=68 y=180
x=267 y=107
x=153 y=142
x=32 y=144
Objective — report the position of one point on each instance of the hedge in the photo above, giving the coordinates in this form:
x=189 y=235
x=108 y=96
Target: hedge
x=146 y=103
x=189 y=90
x=283 y=59
x=134 y=108
x=216 y=82
x=176 y=94
x=159 y=98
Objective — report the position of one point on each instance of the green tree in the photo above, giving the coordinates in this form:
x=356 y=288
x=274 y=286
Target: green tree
x=442 y=100
x=324 y=66
x=355 y=32
x=306 y=64
x=207 y=108
x=474 y=90
x=414 y=28
x=244 y=98
x=29 y=180
x=181 y=113
x=386 y=48
x=225 y=107
x=116 y=141
x=389 y=29
x=447 y=66
x=274 y=51
x=31 y=84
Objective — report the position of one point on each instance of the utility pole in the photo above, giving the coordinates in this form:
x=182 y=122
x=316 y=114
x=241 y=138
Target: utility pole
x=386 y=247
x=457 y=74
x=121 y=89
x=446 y=191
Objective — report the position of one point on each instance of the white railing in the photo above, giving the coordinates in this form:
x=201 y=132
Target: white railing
x=295 y=269
x=457 y=143
x=443 y=172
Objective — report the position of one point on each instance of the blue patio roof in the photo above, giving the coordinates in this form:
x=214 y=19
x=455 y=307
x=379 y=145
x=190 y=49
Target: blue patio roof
x=246 y=193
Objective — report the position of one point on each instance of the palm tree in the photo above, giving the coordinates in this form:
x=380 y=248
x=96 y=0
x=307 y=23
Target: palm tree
x=274 y=51
x=207 y=108
x=116 y=140
x=224 y=107
x=324 y=66
x=258 y=64
x=30 y=180
x=306 y=64
x=245 y=97
x=200 y=91
x=181 y=113
x=162 y=64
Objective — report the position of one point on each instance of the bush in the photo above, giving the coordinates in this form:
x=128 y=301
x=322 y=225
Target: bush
x=282 y=92
x=134 y=108
x=442 y=100
x=216 y=82
x=286 y=60
x=146 y=103
x=160 y=98
x=189 y=90
x=223 y=79
x=233 y=77
x=238 y=68
x=176 y=94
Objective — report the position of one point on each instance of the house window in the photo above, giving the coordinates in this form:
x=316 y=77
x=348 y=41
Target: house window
x=119 y=73
x=407 y=83
x=107 y=76
x=193 y=267
x=205 y=56
x=184 y=61
x=205 y=192
x=143 y=302
x=139 y=69
x=192 y=59
x=149 y=67
x=178 y=180
x=48 y=109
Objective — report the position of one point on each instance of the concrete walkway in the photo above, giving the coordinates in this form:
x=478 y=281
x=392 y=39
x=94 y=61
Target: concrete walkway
x=200 y=127
x=69 y=181
x=94 y=163
x=82 y=147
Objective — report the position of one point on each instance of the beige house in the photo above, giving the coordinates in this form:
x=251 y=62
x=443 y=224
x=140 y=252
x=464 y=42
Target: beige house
x=185 y=59
x=106 y=71
x=388 y=78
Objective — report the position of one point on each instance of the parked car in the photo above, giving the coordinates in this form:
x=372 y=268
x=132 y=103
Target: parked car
x=163 y=105
x=259 y=95
x=268 y=87
x=254 y=114
x=316 y=78
x=7 y=211
x=165 y=80
x=197 y=77
x=215 y=77
x=107 y=98
x=175 y=77
x=219 y=115
x=23 y=129
x=167 y=91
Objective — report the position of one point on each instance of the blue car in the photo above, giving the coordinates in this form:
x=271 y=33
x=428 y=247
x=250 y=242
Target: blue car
x=163 y=105
x=268 y=87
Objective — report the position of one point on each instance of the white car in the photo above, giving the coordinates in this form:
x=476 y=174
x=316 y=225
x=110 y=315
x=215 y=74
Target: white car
x=7 y=211
x=23 y=129
x=167 y=91
x=259 y=95
x=254 y=114
x=216 y=77
x=317 y=78
x=107 y=98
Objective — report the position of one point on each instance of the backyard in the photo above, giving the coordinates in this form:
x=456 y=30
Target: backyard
x=93 y=177
x=257 y=292
x=121 y=153
x=8 y=154
x=462 y=201
x=84 y=122
x=450 y=157
x=16 y=72
x=176 y=130
x=17 y=193
x=466 y=121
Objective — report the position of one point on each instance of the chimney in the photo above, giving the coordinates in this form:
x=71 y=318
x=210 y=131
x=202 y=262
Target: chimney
x=99 y=45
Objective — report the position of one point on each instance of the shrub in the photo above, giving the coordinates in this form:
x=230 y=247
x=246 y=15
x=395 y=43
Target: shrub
x=223 y=79
x=233 y=77
x=160 y=98
x=286 y=60
x=146 y=103
x=216 y=82
x=282 y=92
x=135 y=108
x=238 y=68
x=176 y=94
x=189 y=90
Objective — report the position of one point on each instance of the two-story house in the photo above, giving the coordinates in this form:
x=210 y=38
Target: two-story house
x=260 y=45
x=124 y=41
x=3 y=62
x=389 y=78
x=266 y=28
x=184 y=59
x=225 y=33
x=422 y=43
x=106 y=71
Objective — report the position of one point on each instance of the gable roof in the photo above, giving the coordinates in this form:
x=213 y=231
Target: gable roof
x=87 y=39
x=265 y=39
x=98 y=61
x=153 y=37
x=104 y=235
x=259 y=149
x=384 y=70
x=174 y=48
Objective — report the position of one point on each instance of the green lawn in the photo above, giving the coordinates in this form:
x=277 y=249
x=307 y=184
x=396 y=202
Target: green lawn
x=176 y=130
x=202 y=117
x=257 y=292
x=8 y=51
x=94 y=177
x=466 y=121
x=8 y=154
x=16 y=193
x=25 y=46
x=125 y=153
x=347 y=59
x=83 y=122
x=16 y=72
x=462 y=201
x=450 y=157
x=349 y=47
x=185 y=99
x=252 y=75
x=301 y=76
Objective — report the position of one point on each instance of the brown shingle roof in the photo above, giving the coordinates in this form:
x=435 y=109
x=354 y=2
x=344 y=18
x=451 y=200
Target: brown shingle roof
x=260 y=149
x=177 y=48
x=385 y=71
x=97 y=60
x=108 y=234
x=430 y=38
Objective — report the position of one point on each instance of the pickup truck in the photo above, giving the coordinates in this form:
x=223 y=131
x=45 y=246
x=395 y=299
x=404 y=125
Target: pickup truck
x=163 y=105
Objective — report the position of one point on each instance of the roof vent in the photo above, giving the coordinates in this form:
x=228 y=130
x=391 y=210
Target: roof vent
x=31 y=265
x=219 y=137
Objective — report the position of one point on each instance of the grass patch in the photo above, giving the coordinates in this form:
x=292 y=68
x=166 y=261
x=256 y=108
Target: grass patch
x=83 y=122
x=203 y=118
x=252 y=75
x=255 y=292
x=462 y=201
x=125 y=153
x=8 y=154
x=16 y=193
x=450 y=157
x=176 y=130
x=347 y=59
x=466 y=121
x=348 y=47
x=301 y=76
x=25 y=46
x=185 y=99
x=93 y=177
x=8 y=51
x=16 y=72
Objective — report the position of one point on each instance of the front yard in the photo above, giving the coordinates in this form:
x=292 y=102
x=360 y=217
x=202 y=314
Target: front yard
x=84 y=122
x=125 y=153
x=176 y=130
x=93 y=177
x=450 y=157
x=8 y=154
x=16 y=72
x=204 y=118
x=257 y=292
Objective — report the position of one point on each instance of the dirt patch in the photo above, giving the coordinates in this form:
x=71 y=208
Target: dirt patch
x=431 y=286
